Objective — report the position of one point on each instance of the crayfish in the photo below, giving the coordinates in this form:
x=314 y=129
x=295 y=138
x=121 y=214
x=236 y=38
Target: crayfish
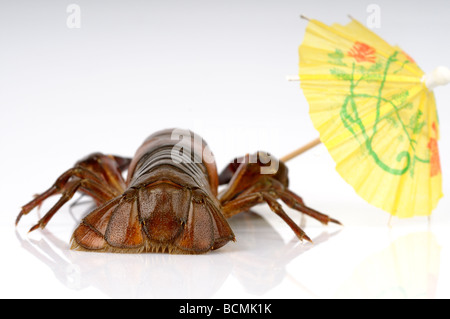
x=170 y=201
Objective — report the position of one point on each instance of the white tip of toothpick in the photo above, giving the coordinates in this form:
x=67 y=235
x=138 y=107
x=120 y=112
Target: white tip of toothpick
x=440 y=76
x=292 y=78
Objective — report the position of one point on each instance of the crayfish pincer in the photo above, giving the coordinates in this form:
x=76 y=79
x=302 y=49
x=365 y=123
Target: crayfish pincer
x=169 y=201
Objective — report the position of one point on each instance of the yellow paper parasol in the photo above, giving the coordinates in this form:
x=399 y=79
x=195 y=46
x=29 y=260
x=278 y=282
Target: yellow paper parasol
x=375 y=111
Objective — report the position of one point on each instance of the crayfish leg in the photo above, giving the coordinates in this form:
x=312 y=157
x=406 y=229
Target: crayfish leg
x=295 y=202
x=249 y=185
x=247 y=201
x=98 y=176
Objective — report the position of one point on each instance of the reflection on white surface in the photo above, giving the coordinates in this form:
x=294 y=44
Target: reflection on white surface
x=258 y=262
x=267 y=261
x=408 y=268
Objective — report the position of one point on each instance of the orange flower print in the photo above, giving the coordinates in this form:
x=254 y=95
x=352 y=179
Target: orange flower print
x=435 y=160
x=408 y=57
x=362 y=52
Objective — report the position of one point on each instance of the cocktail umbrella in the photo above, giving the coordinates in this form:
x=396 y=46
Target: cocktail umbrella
x=375 y=112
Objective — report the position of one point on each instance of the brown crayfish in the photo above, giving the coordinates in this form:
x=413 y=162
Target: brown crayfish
x=170 y=200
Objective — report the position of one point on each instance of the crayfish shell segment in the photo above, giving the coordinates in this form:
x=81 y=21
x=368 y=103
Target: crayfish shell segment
x=205 y=228
x=161 y=217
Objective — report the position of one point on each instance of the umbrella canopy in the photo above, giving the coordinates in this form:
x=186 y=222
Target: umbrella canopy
x=376 y=113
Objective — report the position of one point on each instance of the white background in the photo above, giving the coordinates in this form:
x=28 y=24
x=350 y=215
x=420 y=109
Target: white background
x=218 y=68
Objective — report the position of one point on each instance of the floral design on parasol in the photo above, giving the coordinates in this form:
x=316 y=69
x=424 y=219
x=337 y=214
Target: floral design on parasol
x=376 y=113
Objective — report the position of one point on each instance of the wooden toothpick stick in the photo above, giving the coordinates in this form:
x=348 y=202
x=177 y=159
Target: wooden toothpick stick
x=301 y=150
x=304 y=17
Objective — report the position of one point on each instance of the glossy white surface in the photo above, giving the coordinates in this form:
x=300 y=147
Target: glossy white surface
x=218 y=68
x=267 y=261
